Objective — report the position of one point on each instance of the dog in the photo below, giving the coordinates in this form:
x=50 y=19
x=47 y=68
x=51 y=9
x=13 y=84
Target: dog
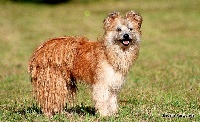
x=59 y=63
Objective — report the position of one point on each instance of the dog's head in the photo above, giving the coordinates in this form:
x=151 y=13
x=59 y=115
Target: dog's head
x=123 y=31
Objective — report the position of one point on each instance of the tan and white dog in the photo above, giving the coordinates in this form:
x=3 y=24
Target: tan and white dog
x=58 y=64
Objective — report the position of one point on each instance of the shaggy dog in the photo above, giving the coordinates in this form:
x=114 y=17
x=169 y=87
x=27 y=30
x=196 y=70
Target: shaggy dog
x=59 y=63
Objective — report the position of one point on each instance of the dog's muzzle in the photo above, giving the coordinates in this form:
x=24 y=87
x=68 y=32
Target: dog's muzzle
x=126 y=40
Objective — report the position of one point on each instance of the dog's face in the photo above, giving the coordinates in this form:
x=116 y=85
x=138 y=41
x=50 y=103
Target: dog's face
x=123 y=31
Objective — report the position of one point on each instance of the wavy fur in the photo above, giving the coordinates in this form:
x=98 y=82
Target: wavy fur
x=59 y=63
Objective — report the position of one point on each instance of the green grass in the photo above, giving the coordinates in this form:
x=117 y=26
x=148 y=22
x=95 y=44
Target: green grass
x=165 y=79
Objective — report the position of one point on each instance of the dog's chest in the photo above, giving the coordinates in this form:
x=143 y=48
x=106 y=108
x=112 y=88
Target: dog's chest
x=110 y=77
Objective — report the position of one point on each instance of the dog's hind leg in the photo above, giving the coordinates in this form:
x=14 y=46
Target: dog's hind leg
x=50 y=89
x=71 y=88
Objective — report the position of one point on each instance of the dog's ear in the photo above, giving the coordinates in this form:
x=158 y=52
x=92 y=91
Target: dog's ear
x=109 y=19
x=134 y=17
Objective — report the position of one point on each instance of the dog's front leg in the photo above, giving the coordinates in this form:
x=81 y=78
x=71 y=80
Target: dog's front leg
x=101 y=96
x=112 y=103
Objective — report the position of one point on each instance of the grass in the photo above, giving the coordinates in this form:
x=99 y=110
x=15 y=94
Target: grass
x=164 y=81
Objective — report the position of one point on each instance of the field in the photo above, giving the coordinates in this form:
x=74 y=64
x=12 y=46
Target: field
x=163 y=85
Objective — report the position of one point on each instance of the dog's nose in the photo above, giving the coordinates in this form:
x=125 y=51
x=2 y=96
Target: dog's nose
x=126 y=36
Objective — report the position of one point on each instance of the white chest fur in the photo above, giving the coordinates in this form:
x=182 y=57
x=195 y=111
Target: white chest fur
x=108 y=77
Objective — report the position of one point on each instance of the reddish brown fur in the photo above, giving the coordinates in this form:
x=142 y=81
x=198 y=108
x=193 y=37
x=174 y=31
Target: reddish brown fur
x=58 y=63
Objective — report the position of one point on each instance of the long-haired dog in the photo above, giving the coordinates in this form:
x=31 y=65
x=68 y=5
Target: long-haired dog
x=57 y=65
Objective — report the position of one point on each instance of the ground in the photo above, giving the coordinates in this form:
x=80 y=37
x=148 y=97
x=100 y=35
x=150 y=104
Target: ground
x=164 y=84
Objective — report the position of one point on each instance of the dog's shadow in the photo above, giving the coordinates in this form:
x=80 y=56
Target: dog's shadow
x=81 y=110
x=78 y=109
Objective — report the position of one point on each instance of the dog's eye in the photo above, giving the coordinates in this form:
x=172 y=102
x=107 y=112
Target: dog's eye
x=119 y=29
x=130 y=29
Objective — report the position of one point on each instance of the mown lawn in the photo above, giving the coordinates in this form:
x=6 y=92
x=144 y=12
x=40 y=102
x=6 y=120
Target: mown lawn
x=164 y=82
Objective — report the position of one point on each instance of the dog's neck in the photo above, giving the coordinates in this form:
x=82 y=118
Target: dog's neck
x=121 y=59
